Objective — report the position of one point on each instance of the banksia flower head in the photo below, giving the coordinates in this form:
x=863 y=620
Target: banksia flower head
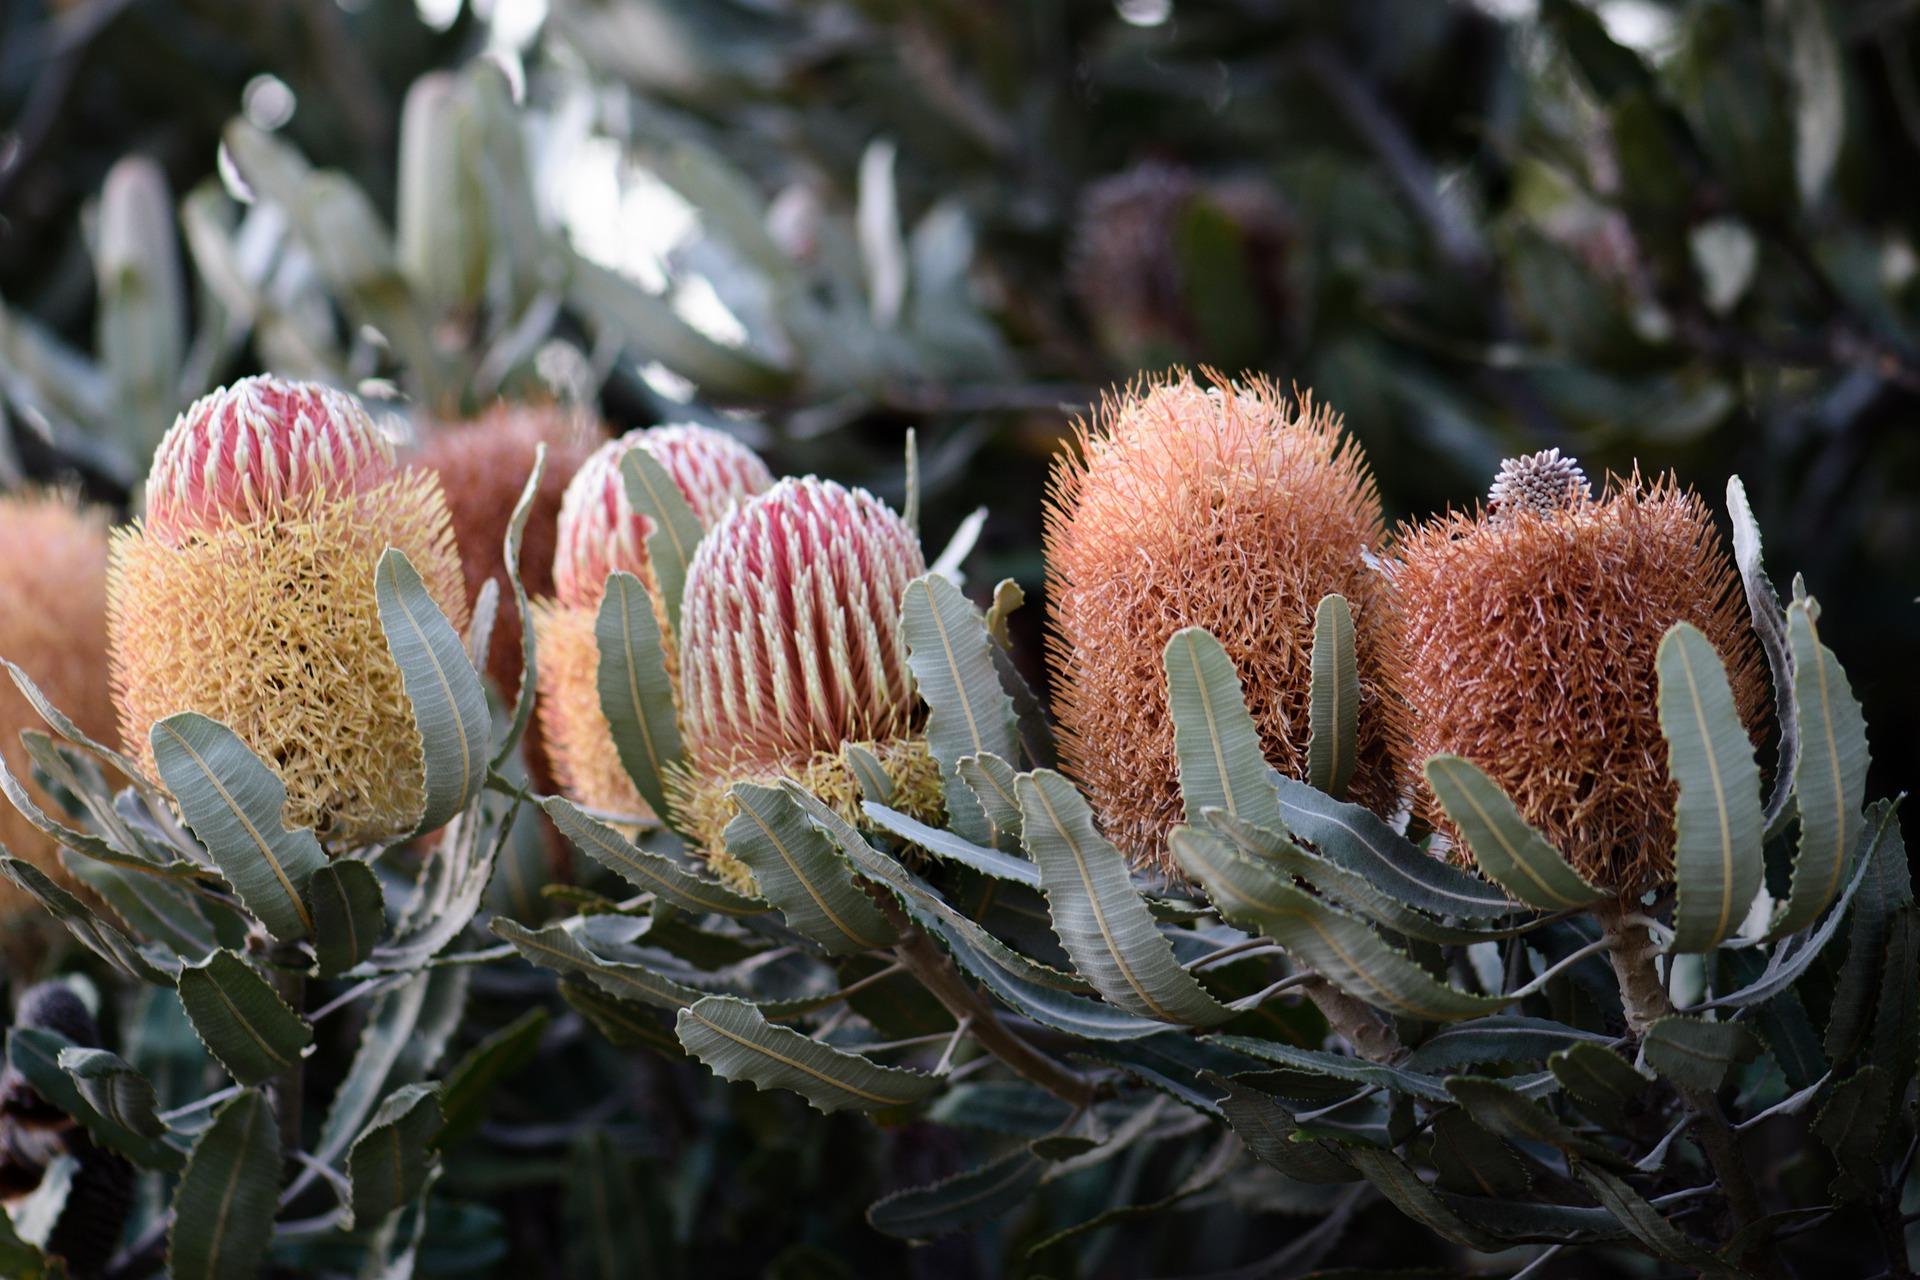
x=1528 y=642
x=53 y=626
x=248 y=596
x=1233 y=507
x=598 y=533
x=791 y=648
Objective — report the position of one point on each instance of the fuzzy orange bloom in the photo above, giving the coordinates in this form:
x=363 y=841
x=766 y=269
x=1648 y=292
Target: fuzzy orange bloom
x=248 y=596
x=53 y=625
x=791 y=647
x=1528 y=642
x=599 y=532
x=1233 y=507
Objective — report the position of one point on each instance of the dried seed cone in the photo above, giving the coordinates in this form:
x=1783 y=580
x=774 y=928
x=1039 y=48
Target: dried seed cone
x=1528 y=646
x=1235 y=508
x=598 y=533
x=53 y=625
x=791 y=648
x=252 y=599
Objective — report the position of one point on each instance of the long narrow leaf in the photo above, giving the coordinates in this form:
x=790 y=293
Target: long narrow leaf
x=674 y=530
x=1333 y=709
x=1218 y=746
x=732 y=1038
x=224 y=1207
x=1770 y=624
x=1509 y=851
x=968 y=713
x=449 y=702
x=802 y=874
x=636 y=693
x=1830 y=777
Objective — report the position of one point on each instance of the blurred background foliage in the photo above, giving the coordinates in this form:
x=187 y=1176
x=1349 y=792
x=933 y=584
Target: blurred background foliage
x=1677 y=233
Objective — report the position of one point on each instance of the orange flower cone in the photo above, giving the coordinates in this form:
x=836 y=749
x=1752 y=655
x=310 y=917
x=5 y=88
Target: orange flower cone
x=247 y=595
x=1232 y=507
x=1528 y=640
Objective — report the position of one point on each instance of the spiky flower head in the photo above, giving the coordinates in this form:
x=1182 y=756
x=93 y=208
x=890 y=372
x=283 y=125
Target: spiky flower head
x=598 y=533
x=601 y=532
x=1538 y=482
x=251 y=600
x=1233 y=507
x=791 y=647
x=261 y=446
x=53 y=626
x=1528 y=646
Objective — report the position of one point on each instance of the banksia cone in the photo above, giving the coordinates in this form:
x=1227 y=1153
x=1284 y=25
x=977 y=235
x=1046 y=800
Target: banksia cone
x=53 y=625
x=1528 y=642
x=248 y=595
x=791 y=648
x=1234 y=508
x=598 y=533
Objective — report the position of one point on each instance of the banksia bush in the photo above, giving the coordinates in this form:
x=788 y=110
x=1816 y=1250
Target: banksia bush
x=1235 y=508
x=791 y=648
x=247 y=594
x=599 y=533
x=53 y=626
x=1528 y=642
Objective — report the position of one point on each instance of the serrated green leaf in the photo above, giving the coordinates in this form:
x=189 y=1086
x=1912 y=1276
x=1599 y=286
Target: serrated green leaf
x=673 y=528
x=636 y=694
x=1218 y=746
x=991 y=780
x=553 y=947
x=1600 y=1080
x=349 y=914
x=63 y=724
x=1853 y=1126
x=84 y=843
x=945 y=844
x=1644 y=1223
x=120 y=1094
x=962 y=1202
x=1886 y=886
x=523 y=697
x=968 y=713
x=234 y=805
x=35 y=1054
x=1098 y=915
x=463 y=1098
x=165 y=913
x=1274 y=1137
x=606 y=1223
x=737 y=1043
x=1830 y=777
x=1333 y=709
x=1770 y=625
x=1717 y=820
x=224 y=1207
x=1337 y=1066
x=1507 y=850
x=1697 y=1054
x=1497 y=1037
x=802 y=873
x=1355 y=838
x=95 y=934
x=449 y=701
x=406 y=1031
x=625 y=1025
x=1502 y=1110
x=388 y=1164
x=1896 y=1019
x=1403 y=1188
x=1341 y=948
x=645 y=870
x=1471 y=1161
x=241 y=1019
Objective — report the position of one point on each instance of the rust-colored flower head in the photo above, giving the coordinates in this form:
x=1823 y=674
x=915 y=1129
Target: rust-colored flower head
x=601 y=532
x=791 y=648
x=248 y=596
x=53 y=626
x=598 y=533
x=1528 y=642
x=1233 y=507
x=483 y=465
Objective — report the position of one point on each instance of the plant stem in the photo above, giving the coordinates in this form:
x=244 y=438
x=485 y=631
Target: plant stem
x=1371 y=1037
x=1632 y=951
x=933 y=970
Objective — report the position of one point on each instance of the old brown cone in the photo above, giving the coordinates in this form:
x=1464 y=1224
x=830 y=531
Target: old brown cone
x=1528 y=646
x=1231 y=506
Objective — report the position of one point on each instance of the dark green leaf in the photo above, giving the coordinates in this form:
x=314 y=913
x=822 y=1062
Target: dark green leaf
x=945 y=844
x=968 y=1199
x=224 y=1207
x=1274 y=1137
x=553 y=947
x=1644 y=1223
x=1853 y=1126
x=388 y=1164
x=449 y=702
x=1406 y=1192
x=738 y=1044
x=1502 y=1110
x=1506 y=849
x=464 y=1097
x=802 y=873
x=1334 y=699
x=36 y=1052
x=1696 y=1054
x=96 y=934
x=349 y=914
x=1896 y=1021
x=1471 y=1161
x=606 y=1223
x=1604 y=1083
x=1830 y=779
x=241 y=1019
x=1888 y=887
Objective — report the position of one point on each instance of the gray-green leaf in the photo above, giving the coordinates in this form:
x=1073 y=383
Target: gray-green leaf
x=241 y=1019
x=388 y=1164
x=233 y=803
x=349 y=913
x=1218 y=746
x=449 y=702
x=1505 y=848
x=675 y=532
x=968 y=713
x=737 y=1043
x=224 y=1207
x=1697 y=1054
x=1333 y=709
x=1830 y=777
x=802 y=873
x=635 y=691
x=1717 y=821
x=644 y=869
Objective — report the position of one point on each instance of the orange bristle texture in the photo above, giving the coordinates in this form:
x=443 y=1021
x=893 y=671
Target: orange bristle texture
x=53 y=626
x=1233 y=507
x=1527 y=645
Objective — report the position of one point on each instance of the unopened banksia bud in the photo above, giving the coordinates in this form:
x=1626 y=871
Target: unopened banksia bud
x=599 y=533
x=1538 y=482
x=791 y=648
x=1528 y=644
x=53 y=626
x=248 y=595
x=1235 y=508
